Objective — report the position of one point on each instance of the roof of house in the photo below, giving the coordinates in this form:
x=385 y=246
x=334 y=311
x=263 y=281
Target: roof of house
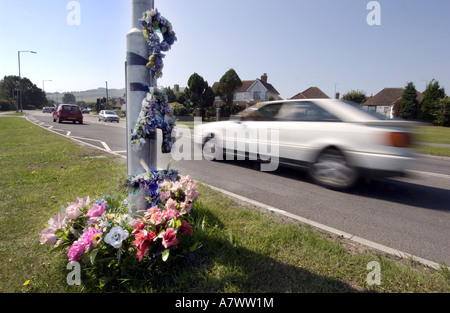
x=246 y=84
x=311 y=93
x=388 y=96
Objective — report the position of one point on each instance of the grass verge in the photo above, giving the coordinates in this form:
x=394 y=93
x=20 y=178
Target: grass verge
x=242 y=249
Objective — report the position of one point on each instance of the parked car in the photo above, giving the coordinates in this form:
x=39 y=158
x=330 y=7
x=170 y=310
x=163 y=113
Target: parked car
x=336 y=141
x=46 y=110
x=85 y=111
x=68 y=112
x=107 y=115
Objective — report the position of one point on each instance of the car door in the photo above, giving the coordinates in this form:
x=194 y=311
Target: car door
x=251 y=135
x=304 y=128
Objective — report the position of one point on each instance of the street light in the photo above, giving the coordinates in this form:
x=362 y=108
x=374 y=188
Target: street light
x=20 y=77
x=43 y=86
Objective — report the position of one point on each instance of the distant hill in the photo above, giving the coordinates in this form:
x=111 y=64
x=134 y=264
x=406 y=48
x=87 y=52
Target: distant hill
x=88 y=95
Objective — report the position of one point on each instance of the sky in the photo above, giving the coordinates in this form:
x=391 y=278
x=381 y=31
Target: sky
x=298 y=43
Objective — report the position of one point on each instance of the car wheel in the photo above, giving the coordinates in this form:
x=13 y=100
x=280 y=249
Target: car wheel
x=332 y=170
x=58 y=120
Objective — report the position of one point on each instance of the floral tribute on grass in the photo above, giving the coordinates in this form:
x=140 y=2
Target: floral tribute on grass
x=106 y=232
x=105 y=235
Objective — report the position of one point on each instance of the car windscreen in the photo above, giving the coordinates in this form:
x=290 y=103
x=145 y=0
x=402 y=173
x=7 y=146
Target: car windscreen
x=69 y=108
x=110 y=112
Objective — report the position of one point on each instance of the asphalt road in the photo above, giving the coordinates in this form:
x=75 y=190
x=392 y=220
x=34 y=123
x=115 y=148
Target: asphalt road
x=407 y=214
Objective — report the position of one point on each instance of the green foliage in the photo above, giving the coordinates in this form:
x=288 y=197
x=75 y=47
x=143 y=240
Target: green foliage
x=178 y=109
x=409 y=106
x=431 y=100
x=228 y=84
x=32 y=96
x=357 y=96
x=69 y=98
x=442 y=112
x=199 y=92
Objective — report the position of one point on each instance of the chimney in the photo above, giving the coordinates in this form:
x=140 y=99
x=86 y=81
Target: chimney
x=264 y=78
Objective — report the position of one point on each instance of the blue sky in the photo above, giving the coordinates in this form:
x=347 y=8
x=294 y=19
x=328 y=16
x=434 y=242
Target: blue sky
x=298 y=43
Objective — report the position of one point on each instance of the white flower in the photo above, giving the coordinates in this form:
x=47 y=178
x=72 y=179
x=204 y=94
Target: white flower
x=115 y=236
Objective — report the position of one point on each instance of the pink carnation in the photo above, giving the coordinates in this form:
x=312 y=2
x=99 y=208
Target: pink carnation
x=76 y=251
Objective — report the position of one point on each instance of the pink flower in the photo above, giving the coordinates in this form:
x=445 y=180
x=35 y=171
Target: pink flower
x=142 y=241
x=73 y=212
x=90 y=238
x=76 y=251
x=186 y=207
x=169 y=238
x=170 y=214
x=185 y=228
x=165 y=194
x=48 y=236
x=157 y=218
x=138 y=225
x=171 y=204
x=151 y=211
x=96 y=210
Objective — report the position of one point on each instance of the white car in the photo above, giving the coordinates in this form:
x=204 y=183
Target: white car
x=107 y=115
x=336 y=141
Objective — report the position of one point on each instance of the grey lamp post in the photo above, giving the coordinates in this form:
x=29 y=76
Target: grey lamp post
x=20 y=76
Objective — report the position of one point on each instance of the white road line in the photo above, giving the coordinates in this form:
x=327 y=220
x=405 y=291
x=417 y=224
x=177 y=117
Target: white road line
x=106 y=146
x=50 y=127
x=429 y=174
x=68 y=133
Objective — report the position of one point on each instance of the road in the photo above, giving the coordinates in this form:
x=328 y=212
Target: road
x=407 y=214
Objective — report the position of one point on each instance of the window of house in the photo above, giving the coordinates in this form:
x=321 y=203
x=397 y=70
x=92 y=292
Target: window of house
x=257 y=95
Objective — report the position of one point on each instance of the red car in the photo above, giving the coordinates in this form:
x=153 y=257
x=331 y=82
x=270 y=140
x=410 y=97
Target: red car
x=68 y=112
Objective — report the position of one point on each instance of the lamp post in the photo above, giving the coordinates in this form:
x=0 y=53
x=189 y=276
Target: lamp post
x=43 y=86
x=137 y=78
x=20 y=77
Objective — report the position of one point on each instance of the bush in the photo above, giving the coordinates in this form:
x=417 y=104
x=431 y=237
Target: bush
x=178 y=109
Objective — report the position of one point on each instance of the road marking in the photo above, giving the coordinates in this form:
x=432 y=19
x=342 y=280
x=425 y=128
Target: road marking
x=105 y=145
x=68 y=133
x=50 y=127
x=429 y=174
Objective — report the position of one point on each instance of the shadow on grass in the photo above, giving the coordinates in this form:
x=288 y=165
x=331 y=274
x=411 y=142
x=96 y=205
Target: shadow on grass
x=222 y=265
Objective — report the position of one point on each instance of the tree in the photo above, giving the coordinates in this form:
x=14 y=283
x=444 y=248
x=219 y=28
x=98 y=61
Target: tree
x=409 y=106
x=170 y=95
x=69 y=98
x=442 y=114
x=431 y=100
x=228 y=84
x=199 y=92
x=32 y=96
x=357 y=96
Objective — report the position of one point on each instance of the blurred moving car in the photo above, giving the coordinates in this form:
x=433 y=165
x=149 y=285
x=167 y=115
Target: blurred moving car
x=110 y=116
x=336 y=141
x=68 y=112
x=46 y=110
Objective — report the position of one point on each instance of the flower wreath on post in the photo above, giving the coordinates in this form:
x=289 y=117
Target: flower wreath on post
x=156 y=112
x=105 y=234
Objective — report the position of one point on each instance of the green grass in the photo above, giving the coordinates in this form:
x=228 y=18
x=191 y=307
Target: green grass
x=433 y=135
x=242 y=249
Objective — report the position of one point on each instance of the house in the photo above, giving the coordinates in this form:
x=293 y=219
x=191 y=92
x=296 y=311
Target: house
x=386 y=100
x=252 y=91
x=311 y=93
